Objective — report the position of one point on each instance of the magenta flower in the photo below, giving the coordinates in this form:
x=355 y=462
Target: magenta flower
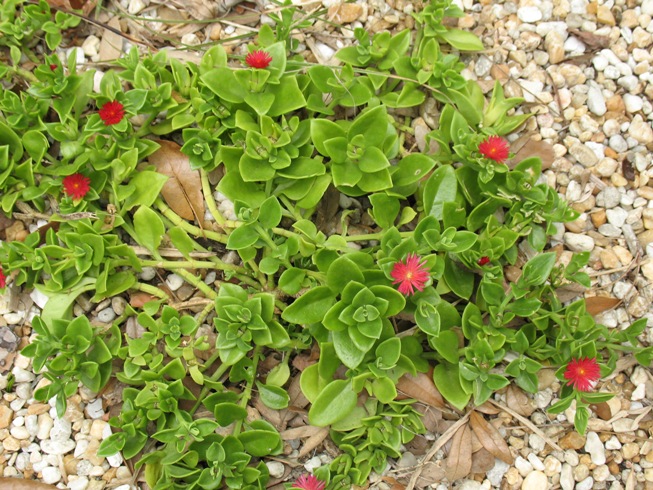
x=583 y=373
x=410 y=274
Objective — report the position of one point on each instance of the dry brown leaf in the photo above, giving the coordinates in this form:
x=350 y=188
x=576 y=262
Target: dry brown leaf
x=490 y=437
x=327 y=209
x=459 y=459
x=526 y=147
x=299 y=432
x=183 y=190
x=313 y=441
x=85 y=6
x=519 y=401
x=392 y=481
x=268 y=414
x=488 y=409
x=421 y=388
x=139 y=298
x=482 y=461
x=592 y=41
x=431 y=473
x=569 y=291
x=111 y=43
x=20 y=484
x=598 y=304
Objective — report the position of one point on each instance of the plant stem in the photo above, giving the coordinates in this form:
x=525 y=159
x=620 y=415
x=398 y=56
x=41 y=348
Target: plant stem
x=186 y=226
x=247 y=394
x=222 y=368
x=210 y=201
x=153 y=290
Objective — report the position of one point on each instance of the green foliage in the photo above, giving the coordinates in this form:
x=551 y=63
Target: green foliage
x=284 y=141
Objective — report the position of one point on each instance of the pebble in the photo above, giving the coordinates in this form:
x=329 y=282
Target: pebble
x=529 y=14
x=275 y=468
x=601 y=473
x=608 y=198
x=79 y=483
x=583 y=155
x=535 y=480
x=147 y=274
x=578 y=242
x=536 y=442
x=174 y=282
x=641 y=130
x=495 y=474
x=107 y=315
x=595 y=448
x=51 y=474
x=523 y=466
x=586 y=484
x=6 y=416
x=94 y=409
x=596 y=101
x=57 y=447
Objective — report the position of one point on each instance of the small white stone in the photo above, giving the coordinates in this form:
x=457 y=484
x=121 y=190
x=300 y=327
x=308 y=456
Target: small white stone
x=535 y=481
x=312 y=464
x=529 y=14
x=174 y=282
x=135 y=6
x=39 y=298
x=586 y=484
x=536 y=462
x=61 y=431
x=275 y=468
x=600 y=62
x=536 y=442
x=567 y=481
x=325 y=52
x=596 y=101
x=647 y=7
x=595 y=448
x=147 y=274
x=79 y=483
x=190 y=39
x=613 y=443
x=495 y=474
x=22 y=375
x=106 y=315
x=115 y=460
x=91 y=45
x=94 y=409
x=57 y=447
x=633 y=103
x=616 y=216
x=638 y=394
x=51 y=475
x=578 y=242
x=21 y=433
x=618 y=143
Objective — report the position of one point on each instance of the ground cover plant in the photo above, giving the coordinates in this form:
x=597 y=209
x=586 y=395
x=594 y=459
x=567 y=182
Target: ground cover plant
x=126 y=169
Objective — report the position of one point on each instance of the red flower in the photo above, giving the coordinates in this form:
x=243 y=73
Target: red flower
x=308 y=482
x=112 y=112
x=483 y=260
x=258 y=59
x=583 y=373
x=3 y=279
x=53 y=67
x=76 y=186
x=494 y=148
x=410 y=274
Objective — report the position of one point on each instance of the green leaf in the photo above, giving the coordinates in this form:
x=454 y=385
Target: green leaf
x=462 y=40
x=441 y=187
x=310 y=307
x=273 y=397
x=537 y=270
x=385 y=209
x=182 y=242
x=447 y=381
x=333 y=403
x=270 y=213
x=341 y=272
x=242 y=237
x=149 y=228
x=143 y=189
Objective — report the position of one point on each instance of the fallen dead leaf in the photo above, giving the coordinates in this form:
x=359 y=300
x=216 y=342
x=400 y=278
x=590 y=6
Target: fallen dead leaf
x=592 y=41
x=421 y=388
x=139 y=298
x=20 y=484
x=490 y=438
x=487 y=409
x=85 y=6
x=313 y=441
x=111 y=43
x=519 y=401
x=482 y=461
x=392 y=481
x=526 y=147
x=183 y=190
x=459 y=459
x=598 y=304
